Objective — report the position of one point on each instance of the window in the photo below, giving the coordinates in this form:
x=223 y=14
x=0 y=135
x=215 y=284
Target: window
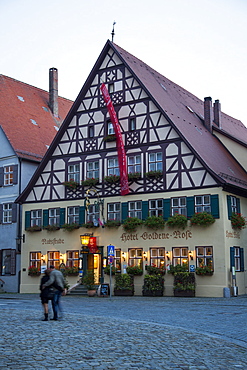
x=135 y=209
x=112 y=167
x=180 y=256
x=73 y=215
x=234 y=204
x=134 y=164
x=135 y=257
x=7 y=213
x=74 y=172
x=93 y=214
x=204 y=257
x=155 y=161
x=156 y=207
x=90 y=131
x=117 y=260
x=36 y=217
x=7 y=262
x=35 y=259
x=54 y=216
x=113 y=211
x=110 y=128
x=202 y=203
x=178 y=206
x=111 y=88
x=8 y=175
x=157 y=257
x=237 y=258
x=53 y=259
x=93 y=170
x=72 y=259
x=132 y=124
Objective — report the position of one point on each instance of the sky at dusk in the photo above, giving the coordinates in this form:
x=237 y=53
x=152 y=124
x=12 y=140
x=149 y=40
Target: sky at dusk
x=198 y=44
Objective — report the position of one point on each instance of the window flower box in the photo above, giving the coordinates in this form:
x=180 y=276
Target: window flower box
x=205 y=270
x=238 y=221
x=90 y=182
x=124 y=285
x=51 y=227
x=90 y=225
x=34 y=228
x=70 y=227
x=184 y=284
x=202 y=219
x=153 y=270
x=112 y=223
x=107 y=270
x=153 y=286
x=71 y=184
x=112 y=179
x=154 y=174
x=71 y=271
x=177 y=220
x=131 y=224
x=134 y=270
x=134 y=176
x=34 y=271
x=154 y=222
x=110 y=138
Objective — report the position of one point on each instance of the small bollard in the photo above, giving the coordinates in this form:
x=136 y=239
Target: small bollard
x=226 y=293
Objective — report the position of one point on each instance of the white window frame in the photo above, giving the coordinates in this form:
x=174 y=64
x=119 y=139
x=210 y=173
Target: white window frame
x=35 y=259
x=180 y=256
x=134 y=163
x=72 y=258
x=155 y=162
x=53 y=259
x=204 y=256
x=114 y=211
x=234 y=204
x=7 y=213
x=73 y=214
x=136 y=257
x=178 y=206
x=135 y=209
x=93 y=213
x=54 y=216
x=157 y=257
x=202 y=203
x=74 y=172
x=8 y=175
x=237 y=258
x=112 y=166
x=36 y=217
x=155 y=207
x=92 y=170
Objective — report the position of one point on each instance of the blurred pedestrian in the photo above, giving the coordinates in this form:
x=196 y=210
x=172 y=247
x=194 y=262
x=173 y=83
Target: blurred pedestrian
x=46 y=293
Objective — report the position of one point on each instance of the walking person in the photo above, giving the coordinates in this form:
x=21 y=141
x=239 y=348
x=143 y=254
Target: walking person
x=56 y=280
x=46 y=293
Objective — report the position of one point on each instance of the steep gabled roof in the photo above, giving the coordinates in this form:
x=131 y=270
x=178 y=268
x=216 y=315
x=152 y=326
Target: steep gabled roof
x=183 y=110
x=26 y=118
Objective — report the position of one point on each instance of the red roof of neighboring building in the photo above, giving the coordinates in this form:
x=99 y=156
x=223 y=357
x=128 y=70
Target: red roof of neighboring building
x=26 y=117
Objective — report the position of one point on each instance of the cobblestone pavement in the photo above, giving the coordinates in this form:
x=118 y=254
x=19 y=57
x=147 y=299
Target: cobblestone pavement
x=124 y=333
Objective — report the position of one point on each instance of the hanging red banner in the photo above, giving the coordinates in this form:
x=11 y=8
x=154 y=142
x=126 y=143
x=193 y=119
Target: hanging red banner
x=120 y=145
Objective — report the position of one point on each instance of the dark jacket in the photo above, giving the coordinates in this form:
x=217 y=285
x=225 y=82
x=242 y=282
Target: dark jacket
x=44 y=293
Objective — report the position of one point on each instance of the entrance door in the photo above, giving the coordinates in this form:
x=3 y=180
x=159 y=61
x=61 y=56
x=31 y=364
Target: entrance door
x=93 y=264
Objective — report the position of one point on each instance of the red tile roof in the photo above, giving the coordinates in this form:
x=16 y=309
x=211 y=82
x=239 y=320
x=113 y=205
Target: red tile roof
x=26 y=118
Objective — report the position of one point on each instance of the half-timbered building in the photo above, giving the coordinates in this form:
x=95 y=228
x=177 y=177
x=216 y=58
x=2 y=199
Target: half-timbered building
x=29 y=119
x=184 y=156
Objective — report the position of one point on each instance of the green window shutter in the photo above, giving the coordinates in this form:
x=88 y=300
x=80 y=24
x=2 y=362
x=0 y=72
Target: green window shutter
x=27 y=219
x=232 y=259
x=215 y=206
x=124 y=210
x=81 y=215
x=241 y=259
x=166 y=208
x=229 y=207
x=144 y=209
x=45 y=217
x=190 y=203
x=238 y=205
x=62 y=216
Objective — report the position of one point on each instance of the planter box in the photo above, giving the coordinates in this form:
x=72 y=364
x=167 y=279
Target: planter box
x=152 y=293
x=123 y=292
x=184 y=293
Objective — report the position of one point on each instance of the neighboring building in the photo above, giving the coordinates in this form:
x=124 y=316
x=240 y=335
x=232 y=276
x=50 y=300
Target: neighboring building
x=199 y=150
x=29 y=120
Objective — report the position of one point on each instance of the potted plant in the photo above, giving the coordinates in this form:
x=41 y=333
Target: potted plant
x=71 y=184
x=177 y=220
x=153 y=285
x=34 y=228
x=134 y=270
x=124 y=285
x=134 y=176
x=33 y=271
x=154 y=222
x=204 y=270
x=51 y=227
x=202 y=219
x=112 y=179
x=90 y=225
x=90 y=182
x=184 y=284
x=130 y=224
x=154 y=174
x=71 y=227
x=112 y=223
x=89 y=281
x=154 y=270
x=71 y=271
x=238 y=221
x=107 y=270
x=178 y=268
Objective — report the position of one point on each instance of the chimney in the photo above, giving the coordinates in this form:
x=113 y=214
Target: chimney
x=217 y=113
x=208 y=113
x=53 y=91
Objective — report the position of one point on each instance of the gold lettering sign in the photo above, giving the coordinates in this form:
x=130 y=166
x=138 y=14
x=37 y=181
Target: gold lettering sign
x=52 y=241
x=232 y=234
x=176 y=234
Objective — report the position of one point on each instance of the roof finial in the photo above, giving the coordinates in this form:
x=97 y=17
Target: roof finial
x=112 y=32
